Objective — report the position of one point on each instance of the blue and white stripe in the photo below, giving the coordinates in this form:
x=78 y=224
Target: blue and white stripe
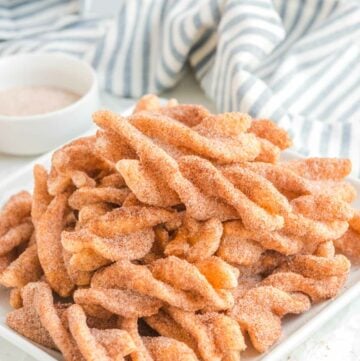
x=296 y=62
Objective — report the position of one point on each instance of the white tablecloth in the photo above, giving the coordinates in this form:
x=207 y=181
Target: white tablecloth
x=337 y=340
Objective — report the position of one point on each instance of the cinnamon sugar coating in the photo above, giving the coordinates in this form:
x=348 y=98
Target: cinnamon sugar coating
x=173 y=232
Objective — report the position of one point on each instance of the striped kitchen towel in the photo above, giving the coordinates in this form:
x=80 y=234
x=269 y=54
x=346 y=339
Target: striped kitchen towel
x=294 y=61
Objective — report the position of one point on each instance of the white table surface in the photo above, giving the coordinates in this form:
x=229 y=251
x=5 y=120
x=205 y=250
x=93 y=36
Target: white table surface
x=338 y=340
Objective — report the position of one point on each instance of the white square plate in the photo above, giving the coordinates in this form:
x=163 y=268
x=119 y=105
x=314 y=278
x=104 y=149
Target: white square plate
x=295 y=328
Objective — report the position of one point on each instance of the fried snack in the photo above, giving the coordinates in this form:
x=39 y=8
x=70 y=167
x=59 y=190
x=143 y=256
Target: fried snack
x=195 y=241
x=141 y=353
x=130 y=219
x=50 y=320
x=192 y=280
x=224 y=125
x=266 y=129
x=90 y=195
x=102 y=323
x=77 y=276
x=24 y=269
x=163 y=324
x=87 y=260
x=119 y=302
x=212 y=336
x=131 y=201
x=58 y=183
x=124 y=233
x=16 y=236
x=43 y=322
x=219 y=273
x=198 y=206
x=138 y=278
x=349 y=243
x=189 y=290
x=188 y=114
x=112 y=148
x=269 y=153
x=261 y=191
x=293 y=185
x=313 y=231
x=226 y=333
x=81 y=179
x=318 y=267
x=14 y=211
x=297 y=225
x=146 y=186
x=246 y=283
x=15 y=299
x=323 y=207
x=237 y=247
x=267 y=264
x=26 y=321
x=320 y=277
x=321 y=168
x=244 y=254
x=285 y=180
x=211 y=181
x=260 y=310
x=123 y=246
x=114 y=180
x=244 y=247
x=340 y=189
x=147 y=103
x=151 y=102
x=92 y=211
x=325 y=249
x=355 y=221
x=41 y=197
x=115 y=344
x=184 y=220
x=168 y=349
x=317 y=289
x=79 y=155
x=6 y=260
x=49 y=248
x=223 y=150
x=231 y=125
x=162 y=238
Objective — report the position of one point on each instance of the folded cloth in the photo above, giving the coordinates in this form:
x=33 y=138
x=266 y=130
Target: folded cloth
x=296 y=62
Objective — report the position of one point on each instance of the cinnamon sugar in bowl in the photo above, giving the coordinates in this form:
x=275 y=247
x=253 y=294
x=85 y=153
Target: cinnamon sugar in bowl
x=45 y=100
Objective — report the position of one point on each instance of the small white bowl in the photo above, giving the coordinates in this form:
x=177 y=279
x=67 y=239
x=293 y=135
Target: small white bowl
x=35 y=134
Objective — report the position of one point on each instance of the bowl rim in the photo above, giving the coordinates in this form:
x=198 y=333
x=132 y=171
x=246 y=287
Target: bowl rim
x=68 y=108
